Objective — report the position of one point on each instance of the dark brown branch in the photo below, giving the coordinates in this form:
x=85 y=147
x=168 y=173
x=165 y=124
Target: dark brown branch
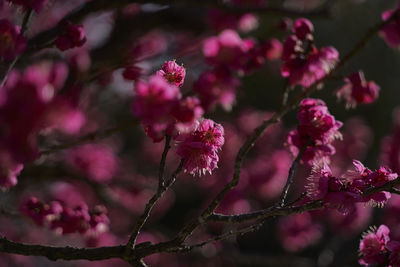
x=161 y=170
x=263 y=214
x=61 y=253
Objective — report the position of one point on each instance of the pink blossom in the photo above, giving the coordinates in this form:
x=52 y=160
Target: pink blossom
x=272 y=49
x=187 y=111
x=391 y=31
x=361 y=178
x=199 y=149
x=227 y=49
x=318 y=128
x=73 y=36
x=36 y=5
x=303 y=28
x=298 y=231
x=307 y=70
x=12 y=42
x=97 y=162
x=358 y=90
x=173 y=73
x=9 y=170
x=217 y=87
x=373 y=246
x=153 y=103
x=220 y=20
x=305 y=64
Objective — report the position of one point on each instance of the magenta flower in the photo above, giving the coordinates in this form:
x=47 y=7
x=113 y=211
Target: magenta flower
x=358 y=90
x=303 y=28
x=186 y=112
x=73 y=36
x=199 y=148
x=217 y=87
x=227 y=50
x=318 y=128
x=333 y=191
x=304 y=64
x=307 y=70
x=153 y=103
x=36 y=5
x=173 y=73
x=9 y=171
x=272 y=49
x=391 y=31
x=298 y=231
x=12 y=42
x=373 y=246
x=362 y=178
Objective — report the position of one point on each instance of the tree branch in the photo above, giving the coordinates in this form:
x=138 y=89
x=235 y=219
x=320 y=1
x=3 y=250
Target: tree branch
x=61 y=253
x=292 y=170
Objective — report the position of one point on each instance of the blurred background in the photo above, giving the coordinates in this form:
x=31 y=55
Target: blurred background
x=108 y=161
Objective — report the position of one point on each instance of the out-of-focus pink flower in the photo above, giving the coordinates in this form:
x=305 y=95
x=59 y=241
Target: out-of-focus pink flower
x=217 y=87
x=272 y=49
x=303 y=28
x=153 y=104
x=187 y=111
x=39 y=212
x=36 y=5
x=373 y=246
x=199 y=149
x=298 y=231
x=394 y=248
x=132 y=73
x=391 y=31
x=358 y=90
x=73 y=36
x=9 y=171
x=97 y=162
x=173 y=73
x=220 y=20
x=12 y=42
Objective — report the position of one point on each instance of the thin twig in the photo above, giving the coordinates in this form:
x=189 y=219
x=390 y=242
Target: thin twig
x=94 y=136
x=10 y=66
x=149 y=206
x=161 y=170
x=292 y=170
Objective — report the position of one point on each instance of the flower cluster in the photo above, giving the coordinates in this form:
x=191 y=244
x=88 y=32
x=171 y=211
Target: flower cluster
x=160 y=106
x=229 y=55
x=73 y=36
x=317 y=130
x=358 y=90
x=64 y=219
x=36 y=91
x=199 y=148
x=377 y=248
x=304 y=64
x=342 y=193
x=12 y=42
